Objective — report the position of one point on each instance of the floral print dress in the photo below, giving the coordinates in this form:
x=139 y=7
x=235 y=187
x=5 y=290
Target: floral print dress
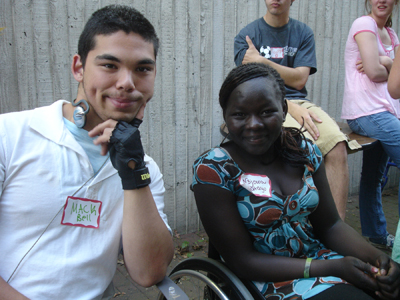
x=279 y=224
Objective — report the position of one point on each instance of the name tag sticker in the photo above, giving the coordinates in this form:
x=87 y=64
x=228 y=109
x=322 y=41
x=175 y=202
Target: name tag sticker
x=81 y=212
x=277 y=52
x=259 y=185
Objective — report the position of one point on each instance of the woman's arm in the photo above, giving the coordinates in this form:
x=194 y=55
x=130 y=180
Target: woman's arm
x=226 y=230
x=394 y=78
x=222 y=222
x=340 y=237
x=376 y=67
x=331 y=230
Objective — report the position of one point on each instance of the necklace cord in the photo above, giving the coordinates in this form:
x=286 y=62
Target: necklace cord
x=48 y=225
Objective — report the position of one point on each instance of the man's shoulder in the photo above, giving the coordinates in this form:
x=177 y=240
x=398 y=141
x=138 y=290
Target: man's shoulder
x=298 y=25
x=41 y=116
x=292 y=26
x=152 y=165
x=15 y=119
x=254 y=25
x=26 y=114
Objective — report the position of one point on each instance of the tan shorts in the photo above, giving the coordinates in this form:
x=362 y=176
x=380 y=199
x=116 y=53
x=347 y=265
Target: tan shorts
x=330 y=133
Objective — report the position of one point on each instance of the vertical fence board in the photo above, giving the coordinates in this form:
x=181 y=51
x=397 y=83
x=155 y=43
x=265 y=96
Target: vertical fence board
x=9 y=92
x=196 y=53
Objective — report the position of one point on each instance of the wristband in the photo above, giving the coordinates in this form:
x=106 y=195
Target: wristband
x=140 y=178
x=307 y=268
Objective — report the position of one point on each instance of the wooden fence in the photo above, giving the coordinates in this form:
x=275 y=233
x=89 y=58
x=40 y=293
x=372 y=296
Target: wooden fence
x=40 y=37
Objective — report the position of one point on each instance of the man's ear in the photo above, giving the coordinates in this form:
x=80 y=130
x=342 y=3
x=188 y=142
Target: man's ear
x=77 y=68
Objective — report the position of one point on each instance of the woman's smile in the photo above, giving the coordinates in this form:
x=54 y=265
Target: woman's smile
x=254 y=115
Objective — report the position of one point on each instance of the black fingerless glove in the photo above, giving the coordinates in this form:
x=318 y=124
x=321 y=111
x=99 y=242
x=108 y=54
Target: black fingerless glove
x=125 y=145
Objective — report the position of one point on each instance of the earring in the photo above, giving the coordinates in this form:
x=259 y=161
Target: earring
x=79 y=114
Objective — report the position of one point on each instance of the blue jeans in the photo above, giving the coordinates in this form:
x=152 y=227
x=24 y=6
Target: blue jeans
x=384 y=127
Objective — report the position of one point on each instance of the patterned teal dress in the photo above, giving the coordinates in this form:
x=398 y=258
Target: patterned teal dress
x=279 y=224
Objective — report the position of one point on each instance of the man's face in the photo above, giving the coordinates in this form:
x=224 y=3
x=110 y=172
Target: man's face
x=278 y=7
x=118 y=77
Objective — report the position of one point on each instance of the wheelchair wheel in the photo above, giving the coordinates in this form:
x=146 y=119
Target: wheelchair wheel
x=206 y=279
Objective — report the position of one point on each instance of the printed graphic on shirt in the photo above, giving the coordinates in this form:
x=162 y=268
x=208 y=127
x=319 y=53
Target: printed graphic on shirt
x=266 y=52
x=81 y=212
x=277 y=52
x=259 y=185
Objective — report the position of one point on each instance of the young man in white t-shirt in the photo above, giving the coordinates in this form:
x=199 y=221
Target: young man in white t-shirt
x=66 y=207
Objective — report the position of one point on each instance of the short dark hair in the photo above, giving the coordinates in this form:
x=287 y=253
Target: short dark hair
x=113 y=18
x=246 y=72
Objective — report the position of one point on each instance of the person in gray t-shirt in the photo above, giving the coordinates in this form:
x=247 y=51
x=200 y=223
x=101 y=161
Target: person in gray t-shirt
x=288 y=46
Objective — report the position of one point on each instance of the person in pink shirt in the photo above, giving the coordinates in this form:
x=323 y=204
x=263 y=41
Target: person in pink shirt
x=370 y=110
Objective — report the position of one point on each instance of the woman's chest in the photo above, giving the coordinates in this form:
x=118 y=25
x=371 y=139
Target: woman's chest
x=282 y=178
x=385 y=36
x=274 y=208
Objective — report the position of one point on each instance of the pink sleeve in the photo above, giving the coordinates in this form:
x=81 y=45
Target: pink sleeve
x=363 y=24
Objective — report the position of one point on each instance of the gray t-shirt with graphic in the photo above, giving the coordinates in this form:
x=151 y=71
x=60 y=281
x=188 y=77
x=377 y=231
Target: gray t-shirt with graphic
x=291 y=45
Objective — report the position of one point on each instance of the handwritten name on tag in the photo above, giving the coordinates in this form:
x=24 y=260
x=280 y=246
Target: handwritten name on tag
x=277 y=52
x=259 y=185
x=81 y=212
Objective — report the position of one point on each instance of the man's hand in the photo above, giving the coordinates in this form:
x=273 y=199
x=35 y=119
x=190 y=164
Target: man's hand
x=305 y=118
x=126 y=146
x=123 y=141
x=252 y=54
x=103 y=131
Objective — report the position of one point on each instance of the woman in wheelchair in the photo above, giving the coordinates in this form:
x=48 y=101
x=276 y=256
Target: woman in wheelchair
x=265 y=203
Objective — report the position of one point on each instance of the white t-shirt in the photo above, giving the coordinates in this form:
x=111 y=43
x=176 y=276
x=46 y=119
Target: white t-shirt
x=41 y=164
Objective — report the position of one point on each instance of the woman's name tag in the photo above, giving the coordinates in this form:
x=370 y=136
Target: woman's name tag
x=259 y=185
